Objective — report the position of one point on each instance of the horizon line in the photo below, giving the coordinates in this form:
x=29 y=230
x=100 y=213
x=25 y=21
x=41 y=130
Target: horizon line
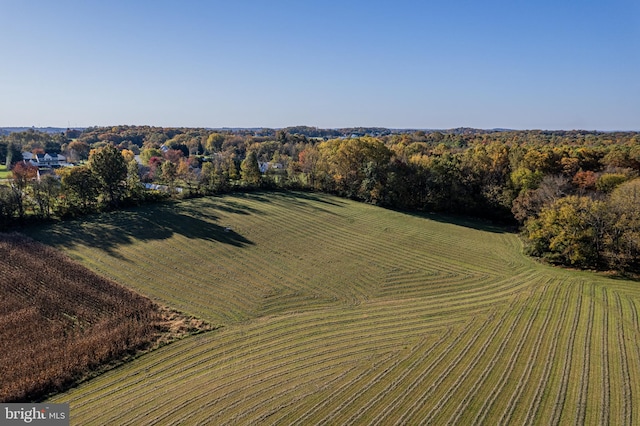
x=495 y=129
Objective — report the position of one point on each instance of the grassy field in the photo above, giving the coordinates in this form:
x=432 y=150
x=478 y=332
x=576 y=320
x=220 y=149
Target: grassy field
x=336 y=312
x=4 y=173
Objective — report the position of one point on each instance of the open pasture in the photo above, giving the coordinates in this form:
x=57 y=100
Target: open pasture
x=4 y=173
x=336 y=312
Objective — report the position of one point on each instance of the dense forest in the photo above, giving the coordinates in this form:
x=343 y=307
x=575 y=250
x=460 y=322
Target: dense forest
x=574 y=194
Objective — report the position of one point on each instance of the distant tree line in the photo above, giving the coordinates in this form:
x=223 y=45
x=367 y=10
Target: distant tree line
x=571 y=192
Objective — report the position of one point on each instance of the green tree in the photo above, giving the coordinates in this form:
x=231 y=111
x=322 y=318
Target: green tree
x=135 y=190
x=110 y=169
x=250 y=170
x=81 y=187
x=373 y=183
x=282 y=136
x=609 y=181
x=148 y=153
x=44 y=194
x=208 y=178
x=3 y=152
x=523 y=179
x=229 y=168
x=13 y=154
x=169 y=174
x=221 y=176
x=214 y=142
x=9 y=206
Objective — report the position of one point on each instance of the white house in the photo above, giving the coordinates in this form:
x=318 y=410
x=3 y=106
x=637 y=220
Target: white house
x=44 y=160
x=264 y=166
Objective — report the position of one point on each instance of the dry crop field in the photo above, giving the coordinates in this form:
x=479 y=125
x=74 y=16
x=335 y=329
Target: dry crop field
x=336 y=312
x=59 y=320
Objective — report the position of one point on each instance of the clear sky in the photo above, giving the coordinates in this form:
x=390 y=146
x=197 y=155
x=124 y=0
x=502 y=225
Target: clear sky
x=546 y=64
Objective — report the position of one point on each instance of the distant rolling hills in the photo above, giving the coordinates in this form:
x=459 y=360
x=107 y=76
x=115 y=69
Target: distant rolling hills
x=8 y=130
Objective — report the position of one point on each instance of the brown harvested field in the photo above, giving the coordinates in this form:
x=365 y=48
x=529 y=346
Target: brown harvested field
x=59 y=321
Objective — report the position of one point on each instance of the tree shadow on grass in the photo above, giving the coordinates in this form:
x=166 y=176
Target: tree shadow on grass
x=312 y=196
x=303 y=200
x=465 y=221
x=107 y=231
x=310 y=200
x=231 y=206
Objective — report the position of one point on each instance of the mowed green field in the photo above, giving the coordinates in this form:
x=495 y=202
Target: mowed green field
x=4 y=173
x=337 y=312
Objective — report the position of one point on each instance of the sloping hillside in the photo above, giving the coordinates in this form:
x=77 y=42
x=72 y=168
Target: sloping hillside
x=337 y=312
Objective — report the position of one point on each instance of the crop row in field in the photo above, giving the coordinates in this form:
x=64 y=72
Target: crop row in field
x=342 y=313
x=58 y=320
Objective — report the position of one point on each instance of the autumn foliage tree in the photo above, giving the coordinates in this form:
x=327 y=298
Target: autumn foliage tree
x=23 y=174
x=348 y=161
x=581 y=231
x=78 y=150
x=623 y=236
x=517 y=177
x=566 y=230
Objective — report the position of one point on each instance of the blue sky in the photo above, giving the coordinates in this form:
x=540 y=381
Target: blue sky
x=402 y=64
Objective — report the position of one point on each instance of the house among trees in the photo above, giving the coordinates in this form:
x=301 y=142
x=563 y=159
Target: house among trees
x=264 y=166
x=44 y=160
x=45 y=163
